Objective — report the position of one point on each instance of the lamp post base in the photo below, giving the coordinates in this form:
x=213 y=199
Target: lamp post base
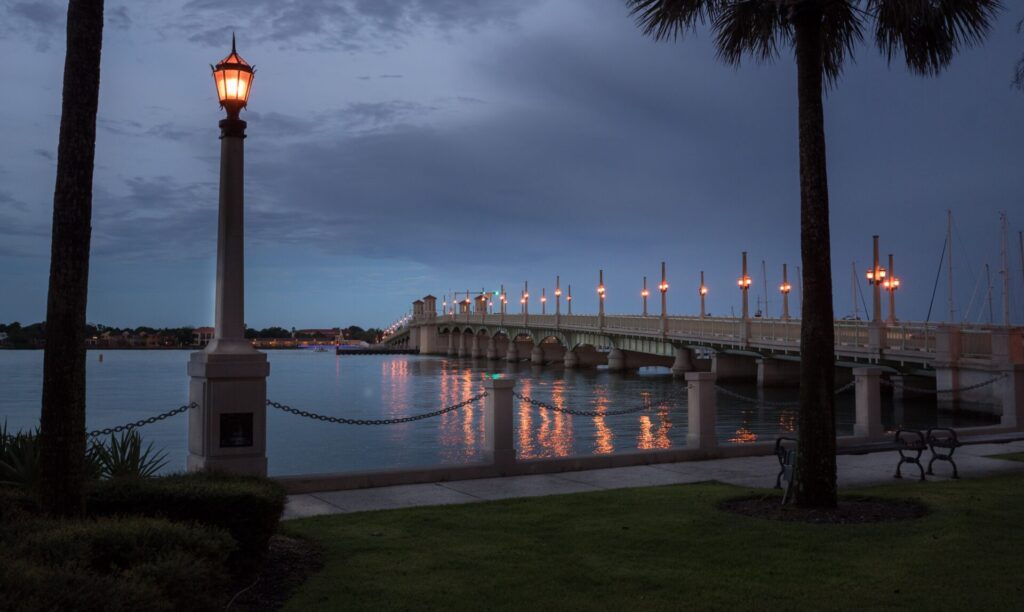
x=227 y=431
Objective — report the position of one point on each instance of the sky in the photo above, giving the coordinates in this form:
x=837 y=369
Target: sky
x=397 y=148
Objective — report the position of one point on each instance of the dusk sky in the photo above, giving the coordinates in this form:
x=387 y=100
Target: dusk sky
x=400 y=147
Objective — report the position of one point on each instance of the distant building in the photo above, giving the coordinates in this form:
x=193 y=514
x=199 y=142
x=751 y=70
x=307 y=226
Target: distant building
x=201 y=336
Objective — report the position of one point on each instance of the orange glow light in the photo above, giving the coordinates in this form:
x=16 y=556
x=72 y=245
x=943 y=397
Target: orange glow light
x=233 y=78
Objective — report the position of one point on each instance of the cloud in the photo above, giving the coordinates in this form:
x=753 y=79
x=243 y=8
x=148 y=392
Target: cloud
x=45 y=154
x=38 y=22
x=119 y=18
x=341 y=24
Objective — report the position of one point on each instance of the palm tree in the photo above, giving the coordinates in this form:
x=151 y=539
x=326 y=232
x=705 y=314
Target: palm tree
x=62 y=425
x=822 y=33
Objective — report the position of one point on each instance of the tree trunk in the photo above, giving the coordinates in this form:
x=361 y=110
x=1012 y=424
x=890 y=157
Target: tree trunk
x=816 y=459
x=62 y=425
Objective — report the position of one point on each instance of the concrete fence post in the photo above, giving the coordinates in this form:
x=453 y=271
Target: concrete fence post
x=1012 y=396
x=700 y=408
x=499 y=448
x=868 y=401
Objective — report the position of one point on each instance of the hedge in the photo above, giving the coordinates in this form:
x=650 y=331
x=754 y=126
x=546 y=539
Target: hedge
x=249 y=508
x=115 y=564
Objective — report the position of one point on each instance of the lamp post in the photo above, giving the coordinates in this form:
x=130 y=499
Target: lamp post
x=526 y=298
x=504 y=301
x=785 y=288
x=663 y=288
x=876 y=276
x=703 y=290
x=744 y=283
x=543 y=300
x=228 y=379
x=891 y=284
x=600 y=298
x=643 y=294
x=558 y=300
x=568 y=299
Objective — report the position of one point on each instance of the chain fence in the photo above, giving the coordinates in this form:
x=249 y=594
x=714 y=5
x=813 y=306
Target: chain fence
x=143 y=422
x=903 y=387
x=773 y=404
x=344 y=421
x=583 y=413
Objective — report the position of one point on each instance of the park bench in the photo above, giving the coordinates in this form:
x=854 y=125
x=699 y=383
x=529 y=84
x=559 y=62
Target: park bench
x=909 y=443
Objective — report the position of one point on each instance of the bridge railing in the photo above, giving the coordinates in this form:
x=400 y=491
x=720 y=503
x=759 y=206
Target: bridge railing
x=976 y=343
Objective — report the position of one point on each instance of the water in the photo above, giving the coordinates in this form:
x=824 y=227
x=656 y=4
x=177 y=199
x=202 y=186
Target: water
x=129 y=385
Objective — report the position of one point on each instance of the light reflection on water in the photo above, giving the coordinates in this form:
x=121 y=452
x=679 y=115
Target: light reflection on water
x=131 y=384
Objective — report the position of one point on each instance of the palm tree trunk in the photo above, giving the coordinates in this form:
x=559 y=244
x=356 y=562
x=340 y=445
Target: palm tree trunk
x=62 y=425
x=816 y=460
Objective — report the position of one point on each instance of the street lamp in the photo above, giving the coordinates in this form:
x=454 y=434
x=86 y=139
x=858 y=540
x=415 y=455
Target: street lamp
x=600 y=301
x=703 y=291
x=558 y=296
x=543 y=300
x=744 y=284
x=876 y=276
x=228 y=378
x=785 y=288
x=891 y=284
x=568 y=299
x=663 y=288
x=643 y=294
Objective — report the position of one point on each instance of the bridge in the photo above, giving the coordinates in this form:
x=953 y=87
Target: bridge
x=910 y=354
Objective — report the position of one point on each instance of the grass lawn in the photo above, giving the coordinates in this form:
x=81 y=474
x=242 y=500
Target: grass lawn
x=670 y=548
x=1009 y=456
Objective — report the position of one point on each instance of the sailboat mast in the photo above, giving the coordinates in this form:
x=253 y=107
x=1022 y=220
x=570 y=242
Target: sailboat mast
x=853 y=289
x=988 y=279
x=1006 y=268
x=949 y=260
x=764 y=277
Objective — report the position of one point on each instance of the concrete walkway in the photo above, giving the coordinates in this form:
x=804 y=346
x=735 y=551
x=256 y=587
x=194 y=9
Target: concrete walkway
x=755 y=472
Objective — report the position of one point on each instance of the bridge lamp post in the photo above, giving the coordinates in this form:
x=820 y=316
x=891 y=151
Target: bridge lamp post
x=891 y=284
x=703 y=291
x=228 y=379
x=526 y=298
x=744 y=284
x=558 y=299
x=600 y=298
x=568 y=299
x=784 y=289
x=543 y=300
x=663 y=288
x=643 y=294
x=876 y=277
x=504 y=301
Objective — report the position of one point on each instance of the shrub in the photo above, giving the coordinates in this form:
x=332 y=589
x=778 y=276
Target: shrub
x=249 y=508
x=85 y=565
x=124 y=457
x=19 y=459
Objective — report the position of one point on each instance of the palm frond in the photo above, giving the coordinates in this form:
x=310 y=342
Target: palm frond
x=842 y=29
x=756 y=27
x=930 y=32
x=670 y=19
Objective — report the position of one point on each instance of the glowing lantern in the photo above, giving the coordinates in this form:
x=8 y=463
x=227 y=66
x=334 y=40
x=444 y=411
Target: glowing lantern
x=233 y=77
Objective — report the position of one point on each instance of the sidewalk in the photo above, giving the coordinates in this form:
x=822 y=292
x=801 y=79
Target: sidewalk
x=755 y=472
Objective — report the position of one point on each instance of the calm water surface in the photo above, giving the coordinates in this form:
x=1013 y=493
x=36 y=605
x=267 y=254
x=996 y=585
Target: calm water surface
x=129 y=385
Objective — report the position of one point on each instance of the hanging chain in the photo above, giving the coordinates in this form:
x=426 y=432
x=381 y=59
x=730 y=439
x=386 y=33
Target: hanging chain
x=583 y=413
x=153 y=419
x=344 y=421
x=889 y=383
x=788 y=404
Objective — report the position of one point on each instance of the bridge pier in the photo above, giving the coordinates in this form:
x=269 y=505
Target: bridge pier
x=537 y=355
x=616 y=360
x=463 y=350
x=476 y=351
x=451 y=345
x=733 y=368
x=569 y=360
x=777 y=373
x=492 y=349
x=512 y=353
x=683 y=362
